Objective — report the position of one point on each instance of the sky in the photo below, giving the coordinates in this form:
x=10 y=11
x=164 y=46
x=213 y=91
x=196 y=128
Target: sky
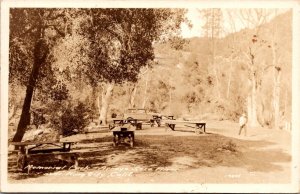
x=194 y=16
x=196 y=31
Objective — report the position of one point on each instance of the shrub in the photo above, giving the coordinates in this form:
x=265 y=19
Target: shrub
x=75 y=119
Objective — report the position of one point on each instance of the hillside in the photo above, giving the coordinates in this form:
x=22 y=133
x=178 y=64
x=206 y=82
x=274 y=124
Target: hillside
x=195 y=79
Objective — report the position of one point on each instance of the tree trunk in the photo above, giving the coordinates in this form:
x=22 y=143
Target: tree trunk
x=105 y=98
x=261 y=113
x=170 y=102
x=252 y=102
x=276 y=97
x=231 y=66
x=229 y=80
x=145 y=91
x=249 y=107
x=39 y=59
x=213 y=55
x=94 y=101
x=276 y=79
x=217 y=88
x=253 y=121
x=132 y=93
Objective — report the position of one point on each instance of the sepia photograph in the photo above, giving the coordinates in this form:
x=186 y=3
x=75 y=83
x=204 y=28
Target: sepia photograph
x=149 y=96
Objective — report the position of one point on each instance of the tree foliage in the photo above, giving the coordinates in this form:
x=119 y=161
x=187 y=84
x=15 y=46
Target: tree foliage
x=33 y=32
x=121 y=40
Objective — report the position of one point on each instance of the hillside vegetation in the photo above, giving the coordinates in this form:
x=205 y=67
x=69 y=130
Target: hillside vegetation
x=183 y=82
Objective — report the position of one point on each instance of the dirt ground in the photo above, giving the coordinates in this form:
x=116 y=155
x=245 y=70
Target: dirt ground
x=165 y=156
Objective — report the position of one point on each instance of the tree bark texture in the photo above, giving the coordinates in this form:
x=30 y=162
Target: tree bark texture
x=145 y=91
x=276 y=79
x=276 y=101
x=253 y=118
x=39 y=58
x=229 y=79
x=132 y=93
x=105 y=99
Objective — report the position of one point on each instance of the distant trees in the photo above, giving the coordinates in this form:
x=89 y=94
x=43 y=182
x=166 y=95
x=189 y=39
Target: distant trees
x=212 y=29
x=262 y=53
x=244 y=61
x=254 y=18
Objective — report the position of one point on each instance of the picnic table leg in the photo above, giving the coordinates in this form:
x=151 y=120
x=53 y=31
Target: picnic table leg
x=67 y=146
x=28 y=168
x=166 y=127
x=202 y=127
x=139 y=126
x=21 y=162
x=158 y=122
x=131 y=139
x=115 y=140
x=152 y=122
x=76 y=162
x=22 y=158
x=199 y=128
x=171 y=126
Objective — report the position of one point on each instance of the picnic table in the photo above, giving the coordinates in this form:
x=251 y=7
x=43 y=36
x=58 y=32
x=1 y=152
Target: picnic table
x=123 y=131
x=143 y=116
x=199 y=126
x=169 y=117
x=29 y=150
x=155 y=119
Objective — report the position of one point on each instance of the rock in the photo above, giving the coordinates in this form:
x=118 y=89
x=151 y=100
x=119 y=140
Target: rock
x=38 y=132
x=30 y=135
x=47 y=134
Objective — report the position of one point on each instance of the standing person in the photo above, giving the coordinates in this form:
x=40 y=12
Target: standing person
x=243 y=123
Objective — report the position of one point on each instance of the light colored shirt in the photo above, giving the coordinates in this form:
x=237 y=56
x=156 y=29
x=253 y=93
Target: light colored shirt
x=243 y=120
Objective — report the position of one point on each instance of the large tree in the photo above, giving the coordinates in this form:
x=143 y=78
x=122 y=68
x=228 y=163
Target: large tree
x=255 y=19
x=118 y=43
x=33 y=32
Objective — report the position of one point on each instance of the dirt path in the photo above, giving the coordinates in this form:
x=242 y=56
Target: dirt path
x=161 y=156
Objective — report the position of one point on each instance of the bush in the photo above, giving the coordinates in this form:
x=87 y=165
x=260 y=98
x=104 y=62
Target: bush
x=74 y=120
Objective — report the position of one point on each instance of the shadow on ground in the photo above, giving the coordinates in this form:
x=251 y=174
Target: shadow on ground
x=181 y=152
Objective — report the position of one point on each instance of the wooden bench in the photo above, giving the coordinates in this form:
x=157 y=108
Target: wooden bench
x=156 y=119
x=169 y=117
x=121 y=122
x=123 y=131
x=199 y=126
x=27 y=151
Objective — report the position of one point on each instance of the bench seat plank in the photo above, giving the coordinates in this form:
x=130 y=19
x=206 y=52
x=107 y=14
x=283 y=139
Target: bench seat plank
x=197 y=125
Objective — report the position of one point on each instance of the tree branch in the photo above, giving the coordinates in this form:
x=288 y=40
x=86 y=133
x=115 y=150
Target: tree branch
x=27 y=31
x=56 y=29
x=57 y=16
